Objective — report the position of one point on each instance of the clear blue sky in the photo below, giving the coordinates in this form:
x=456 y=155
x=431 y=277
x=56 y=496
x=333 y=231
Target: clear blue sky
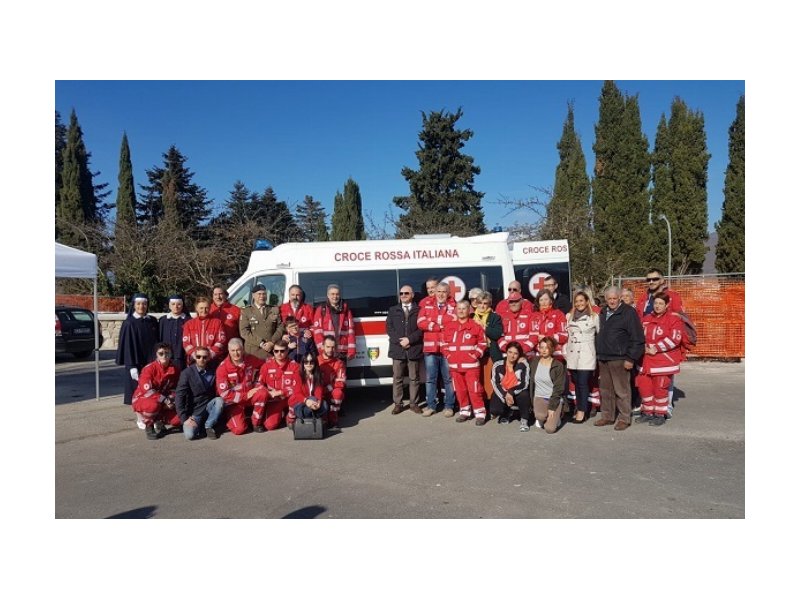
x=308 y=137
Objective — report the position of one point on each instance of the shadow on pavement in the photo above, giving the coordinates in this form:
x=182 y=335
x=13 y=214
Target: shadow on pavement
x=144 y=512
x=363 y=403
x=307 y=512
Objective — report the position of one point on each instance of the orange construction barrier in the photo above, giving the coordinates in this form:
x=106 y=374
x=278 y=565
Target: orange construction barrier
x=104 y=303
x=715 y=304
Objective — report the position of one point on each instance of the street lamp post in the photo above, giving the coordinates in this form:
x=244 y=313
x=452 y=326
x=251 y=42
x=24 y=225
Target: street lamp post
x=669 y=244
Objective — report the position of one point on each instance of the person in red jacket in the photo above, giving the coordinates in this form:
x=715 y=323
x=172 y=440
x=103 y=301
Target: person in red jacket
x=663 y=332
x=463 y=347
x=237 y=383
x=550 y=322
x=518 y=326
x=432 y=318
x=430 y=288
x=309 y=393
x=297 y=308
x=655 y=284
x=526 y=306
x=204 y=330
x=154 y=397
x=334 y=376
x=225 y=311
x=277 y=381
x=335 y=319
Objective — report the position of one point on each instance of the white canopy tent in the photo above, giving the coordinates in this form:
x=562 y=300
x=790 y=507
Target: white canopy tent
x=74 y=263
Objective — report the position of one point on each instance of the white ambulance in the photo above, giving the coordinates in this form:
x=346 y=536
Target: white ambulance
x=371 y=272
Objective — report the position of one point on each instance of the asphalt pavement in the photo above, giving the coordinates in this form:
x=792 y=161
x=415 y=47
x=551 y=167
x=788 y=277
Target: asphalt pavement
x=403 y=466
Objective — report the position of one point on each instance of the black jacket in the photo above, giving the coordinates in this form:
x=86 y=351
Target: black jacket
x=192 y=393
x=562 y=303
x=621 y=336
x=398 y=326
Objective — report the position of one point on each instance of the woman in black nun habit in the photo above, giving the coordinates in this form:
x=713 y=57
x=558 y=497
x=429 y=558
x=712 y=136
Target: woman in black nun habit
x=137 y=340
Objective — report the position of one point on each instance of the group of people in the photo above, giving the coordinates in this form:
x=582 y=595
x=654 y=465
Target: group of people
x=255 y=368
x=260 y=367
x=541 y=361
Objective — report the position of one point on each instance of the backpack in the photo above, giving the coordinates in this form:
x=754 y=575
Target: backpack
x=689 y=338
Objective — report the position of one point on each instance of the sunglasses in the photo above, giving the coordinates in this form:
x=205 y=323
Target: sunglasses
x=405 y=293
x=163 y=353
x=202 y=357
x=279 y=351
x=652 y=279
x=309 y=362
x=514 y=290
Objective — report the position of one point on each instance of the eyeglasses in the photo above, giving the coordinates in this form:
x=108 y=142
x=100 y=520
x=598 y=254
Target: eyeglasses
x=163 y=353
x=309 y=362
x=514 y=290
x=473 y=299
x=652 y=279
x=279 y=351
x=202 y=357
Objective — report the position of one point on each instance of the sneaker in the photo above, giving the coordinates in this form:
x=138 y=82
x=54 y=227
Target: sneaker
x=657 y=421
x=669 y=413
x=503 y=420
x=427 y=411
x=536 y=424
x=637 y=410
x=211 y=433
x=140 y=421
x=644 y=418
x=259 y=429
x=290 y=426
x=159 y=426
x=480 y=421
x=150 y=432
x=448 y=412
x=523 y=426
x=461 y=418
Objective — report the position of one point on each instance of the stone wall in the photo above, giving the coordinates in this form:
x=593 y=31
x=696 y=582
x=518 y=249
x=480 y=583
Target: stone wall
x=110 y=324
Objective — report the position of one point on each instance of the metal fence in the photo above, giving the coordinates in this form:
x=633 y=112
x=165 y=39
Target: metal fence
x=715 y=303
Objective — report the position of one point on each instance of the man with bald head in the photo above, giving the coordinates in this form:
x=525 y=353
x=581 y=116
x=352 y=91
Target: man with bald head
x=405 y=349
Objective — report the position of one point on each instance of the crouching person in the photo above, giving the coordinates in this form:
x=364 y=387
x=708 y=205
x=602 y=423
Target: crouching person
x=196 y=399
x=308 y=398
x=154 y=397
x=547 y=386
x=237 y=384
x=334 y=377
x=277 y=380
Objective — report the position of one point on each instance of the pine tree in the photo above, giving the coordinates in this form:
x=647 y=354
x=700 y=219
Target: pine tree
x=193 y=203
x=568 y=213
x=442 y=198
x=276 y=219
x=126 y=195
x=620 y=195
x=730 y=228
x=169 y=199
x=680 y=176
x=310 y=218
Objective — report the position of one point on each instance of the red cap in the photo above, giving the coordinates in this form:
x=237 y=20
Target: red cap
x=513 y=296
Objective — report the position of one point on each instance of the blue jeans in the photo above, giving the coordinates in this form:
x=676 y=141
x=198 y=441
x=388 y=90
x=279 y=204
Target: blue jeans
x=581 y=381
x=208 y=418
x=301 y=411
x=435 y=365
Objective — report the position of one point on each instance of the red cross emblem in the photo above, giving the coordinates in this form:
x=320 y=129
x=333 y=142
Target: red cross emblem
x=457 y=288
x=536 y=283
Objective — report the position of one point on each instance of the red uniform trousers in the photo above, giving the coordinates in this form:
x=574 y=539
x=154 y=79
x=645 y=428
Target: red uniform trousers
x=153 y=410
x=468 y=387
x=654 y=390
x=235 y=417
x=269 y=410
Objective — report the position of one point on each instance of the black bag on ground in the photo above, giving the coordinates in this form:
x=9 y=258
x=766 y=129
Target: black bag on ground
x=309 y=429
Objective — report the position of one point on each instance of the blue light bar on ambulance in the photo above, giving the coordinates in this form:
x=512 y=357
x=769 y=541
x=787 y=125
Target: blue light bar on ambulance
x=262 y=245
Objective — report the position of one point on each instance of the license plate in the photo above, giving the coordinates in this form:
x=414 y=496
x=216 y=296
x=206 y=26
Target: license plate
x=80 y=330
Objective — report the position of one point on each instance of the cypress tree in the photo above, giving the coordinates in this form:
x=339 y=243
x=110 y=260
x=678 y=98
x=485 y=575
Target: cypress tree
x=568 y=213
x=341 y=227
x=620 y=195
x=61 y=143
x=730 y=228
x=310 y=218
x=352 y=204
x=442 y=198
x=72 y=206
x=126 y=195
x=680 y=176
x=192 y=200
